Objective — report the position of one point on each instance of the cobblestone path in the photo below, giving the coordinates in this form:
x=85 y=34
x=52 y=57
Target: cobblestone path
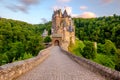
x=59 y=66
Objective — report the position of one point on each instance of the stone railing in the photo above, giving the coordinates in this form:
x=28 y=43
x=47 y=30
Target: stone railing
x=12 y=70
x=106 y=72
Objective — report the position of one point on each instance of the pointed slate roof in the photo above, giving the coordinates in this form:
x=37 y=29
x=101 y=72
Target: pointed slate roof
x=65 y=14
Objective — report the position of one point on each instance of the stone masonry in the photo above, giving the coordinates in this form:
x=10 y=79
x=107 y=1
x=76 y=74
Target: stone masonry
x=62 y=27
x=13 y=70
x=59 y=66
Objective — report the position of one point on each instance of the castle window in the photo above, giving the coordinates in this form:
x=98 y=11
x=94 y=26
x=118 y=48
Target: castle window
x=70 y=29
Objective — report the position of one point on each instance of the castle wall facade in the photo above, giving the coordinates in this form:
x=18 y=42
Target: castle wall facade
x=62 y=26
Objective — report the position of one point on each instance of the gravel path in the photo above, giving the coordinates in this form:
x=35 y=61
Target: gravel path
x=59 y=66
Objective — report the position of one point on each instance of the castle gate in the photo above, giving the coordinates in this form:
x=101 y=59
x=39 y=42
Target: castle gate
x=56 y=43
x=56 y=40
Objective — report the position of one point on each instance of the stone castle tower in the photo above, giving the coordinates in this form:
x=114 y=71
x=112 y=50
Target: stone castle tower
x=63 y=29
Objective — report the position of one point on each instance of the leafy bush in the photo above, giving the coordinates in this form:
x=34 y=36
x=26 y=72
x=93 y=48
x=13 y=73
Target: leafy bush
x=47 y=39
x=89 y=51
x=104 y=60
x=100 y=48
x=3 y=59
x=76 y=48
x=117 y=60
x=25 y=56
x=109 y=48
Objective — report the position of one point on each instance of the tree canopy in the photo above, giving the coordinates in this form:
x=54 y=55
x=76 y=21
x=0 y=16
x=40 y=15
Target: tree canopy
x=99 y=29
x=19 y=40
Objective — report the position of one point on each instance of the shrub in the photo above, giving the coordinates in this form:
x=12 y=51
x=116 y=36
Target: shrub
x=109 y=48
x=3 y=59
x=89 y=51
x=104 y=60
x=47 y=39
x=25 y=56
x=76 y=48
x=117 y=60
x=100 y=48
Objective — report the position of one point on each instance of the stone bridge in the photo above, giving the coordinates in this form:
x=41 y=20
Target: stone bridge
x=55 y=63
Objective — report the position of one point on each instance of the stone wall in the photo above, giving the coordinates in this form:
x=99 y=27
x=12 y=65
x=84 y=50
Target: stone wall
x=106 y=72
x=13 y=70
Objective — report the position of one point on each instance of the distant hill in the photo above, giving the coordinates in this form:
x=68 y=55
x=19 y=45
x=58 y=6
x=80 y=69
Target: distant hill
x=106 y=32
x=99 y=29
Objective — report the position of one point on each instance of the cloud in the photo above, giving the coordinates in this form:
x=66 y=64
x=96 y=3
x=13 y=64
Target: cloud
x=23 y=5
x=107 y=1
x=88 y=15
x=16 y=8
x=63 y=1
x=22 y=8
x=12 y=8
x=75 y=15
x=83 y=7
x=69 y=10
x=56 y=7
x=44 y=20
x=85 y=15
x=29 y=2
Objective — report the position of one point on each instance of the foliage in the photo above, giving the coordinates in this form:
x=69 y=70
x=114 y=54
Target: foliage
x=47 y=39
x=19 y=39
x=117 y=61
x=41 y=27
x=104 y=60
x=25 y=56
x=89 y=51
x=109 y=48
x=3 y=59
x=76 y=48
x=99 y=29
x=100 y=48
x=106 y=32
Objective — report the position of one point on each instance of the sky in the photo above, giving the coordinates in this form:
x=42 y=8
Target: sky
x=40 y=11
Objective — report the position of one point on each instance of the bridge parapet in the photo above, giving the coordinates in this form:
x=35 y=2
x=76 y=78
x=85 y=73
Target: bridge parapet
x=106 y=72
x=13 y=70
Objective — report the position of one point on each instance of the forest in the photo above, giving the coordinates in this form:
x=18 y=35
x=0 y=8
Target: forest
x=19 y=40
x=105 y=31
x=99 y=29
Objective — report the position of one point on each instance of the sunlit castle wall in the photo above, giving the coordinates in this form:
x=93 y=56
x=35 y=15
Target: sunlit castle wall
x=62 y=24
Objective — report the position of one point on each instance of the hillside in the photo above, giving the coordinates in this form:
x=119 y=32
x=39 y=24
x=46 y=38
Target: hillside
x=103 y=30
x=19 y=40
x=99 y=29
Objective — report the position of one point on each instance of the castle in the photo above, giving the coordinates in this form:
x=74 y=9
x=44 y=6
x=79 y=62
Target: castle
x=63 y=29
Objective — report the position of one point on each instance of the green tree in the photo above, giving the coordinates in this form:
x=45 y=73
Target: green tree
x=105 y=60
x=109 y=48
x=47 y=39
x=18 y=38
x=89 y=51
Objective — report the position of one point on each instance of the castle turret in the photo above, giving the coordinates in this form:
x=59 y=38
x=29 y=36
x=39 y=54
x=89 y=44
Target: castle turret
x=65 y=14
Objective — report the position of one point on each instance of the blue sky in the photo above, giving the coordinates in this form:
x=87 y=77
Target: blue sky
x=39 y=11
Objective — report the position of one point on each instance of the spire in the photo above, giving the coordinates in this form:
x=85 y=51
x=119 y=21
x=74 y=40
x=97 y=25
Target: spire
x=60 y=12
x=65 y=14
